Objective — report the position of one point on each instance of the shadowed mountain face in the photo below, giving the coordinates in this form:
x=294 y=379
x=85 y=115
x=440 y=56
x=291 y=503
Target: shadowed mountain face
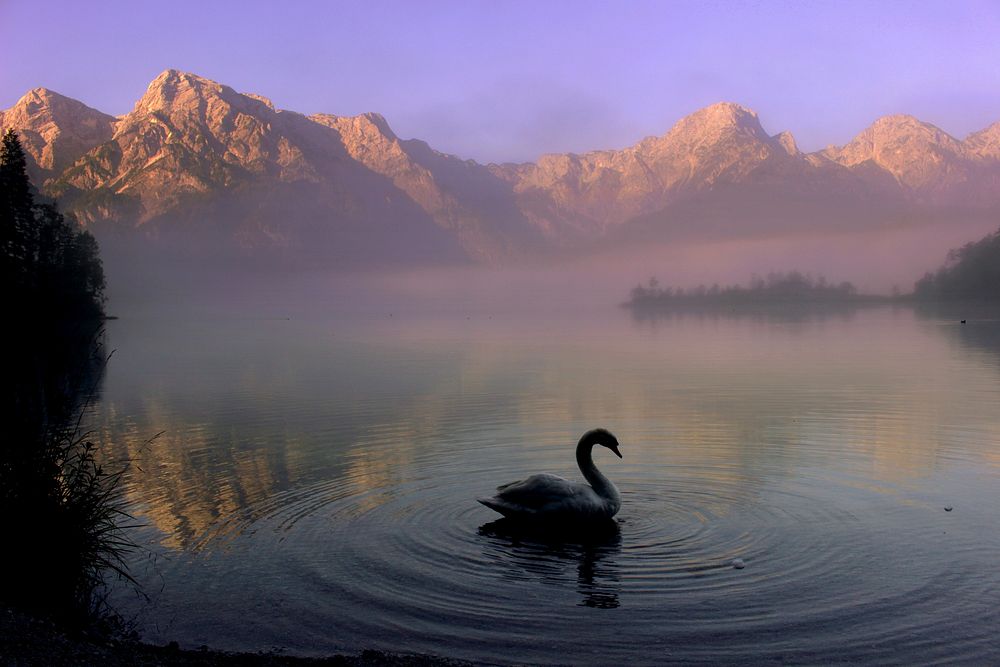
x=197 y=164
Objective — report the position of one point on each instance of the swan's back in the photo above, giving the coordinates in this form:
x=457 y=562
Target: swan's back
x=548 y=496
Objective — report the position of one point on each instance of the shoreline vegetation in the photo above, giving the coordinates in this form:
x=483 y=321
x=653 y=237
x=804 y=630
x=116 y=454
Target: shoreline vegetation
x=57 y=496
x=971 y=272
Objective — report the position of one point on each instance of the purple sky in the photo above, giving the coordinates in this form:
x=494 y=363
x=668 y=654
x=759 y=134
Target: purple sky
x=501 y=81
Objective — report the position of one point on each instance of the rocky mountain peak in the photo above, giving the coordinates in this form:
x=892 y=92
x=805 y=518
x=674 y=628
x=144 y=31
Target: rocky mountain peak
x=895 y=137
x=266 y=101
x=715 y=125
x=722 y=116
x=174 y=89
x=370 y=129
x=730 y=112
x=379 y=121
x=42 y=103
x=903 y=127
x=917 y=154
x=986 y=142
x=55 y=129
x=787 y=142
x=37 y=98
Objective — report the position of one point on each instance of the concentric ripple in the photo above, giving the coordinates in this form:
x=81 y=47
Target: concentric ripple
x=419 y=566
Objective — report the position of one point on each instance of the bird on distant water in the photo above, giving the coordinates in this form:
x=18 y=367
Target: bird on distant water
x=549 y=497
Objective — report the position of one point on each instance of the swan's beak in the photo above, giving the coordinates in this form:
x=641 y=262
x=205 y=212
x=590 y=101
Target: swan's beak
x=614 y=448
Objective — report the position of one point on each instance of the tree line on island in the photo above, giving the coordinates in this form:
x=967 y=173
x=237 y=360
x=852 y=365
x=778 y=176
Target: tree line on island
x=786 y=288
x=59 y=504
x=971 y=272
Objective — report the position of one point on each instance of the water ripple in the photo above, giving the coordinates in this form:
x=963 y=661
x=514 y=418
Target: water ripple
x=379 y=562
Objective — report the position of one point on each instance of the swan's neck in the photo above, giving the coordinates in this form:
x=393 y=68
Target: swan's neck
x=602 y=485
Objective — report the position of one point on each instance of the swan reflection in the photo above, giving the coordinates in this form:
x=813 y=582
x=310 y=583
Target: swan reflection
x=545 y=552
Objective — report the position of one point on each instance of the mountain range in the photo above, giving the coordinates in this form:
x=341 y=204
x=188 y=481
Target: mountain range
x=196 y=163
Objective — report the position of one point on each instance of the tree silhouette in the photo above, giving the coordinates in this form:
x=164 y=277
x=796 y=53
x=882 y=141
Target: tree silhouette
x=16 y=219
x=55 y=496
x=972 y=271
x=51 y=268
x=776 y=288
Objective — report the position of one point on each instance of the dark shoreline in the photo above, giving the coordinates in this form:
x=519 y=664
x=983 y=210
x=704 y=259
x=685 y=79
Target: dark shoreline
x=26 y=641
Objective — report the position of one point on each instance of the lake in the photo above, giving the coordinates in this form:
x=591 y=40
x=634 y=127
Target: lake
x=312 y=486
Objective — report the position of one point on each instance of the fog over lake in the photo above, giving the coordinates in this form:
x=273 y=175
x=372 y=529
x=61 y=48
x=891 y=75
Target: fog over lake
x=323 y=439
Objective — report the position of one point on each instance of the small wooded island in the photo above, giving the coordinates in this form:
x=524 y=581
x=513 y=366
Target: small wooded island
x=970 y=273
x=792 y=288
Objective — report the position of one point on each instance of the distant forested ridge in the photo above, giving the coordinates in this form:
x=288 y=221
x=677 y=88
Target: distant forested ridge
x=775 y=288
x=970 y=272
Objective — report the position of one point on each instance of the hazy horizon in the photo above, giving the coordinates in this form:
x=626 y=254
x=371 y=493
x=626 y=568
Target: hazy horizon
x=148 y=282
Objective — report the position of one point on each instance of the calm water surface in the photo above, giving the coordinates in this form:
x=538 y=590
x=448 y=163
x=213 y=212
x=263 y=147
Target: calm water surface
x=312 y=489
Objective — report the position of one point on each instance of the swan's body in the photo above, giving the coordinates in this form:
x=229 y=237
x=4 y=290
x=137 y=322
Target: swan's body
x=548 y=496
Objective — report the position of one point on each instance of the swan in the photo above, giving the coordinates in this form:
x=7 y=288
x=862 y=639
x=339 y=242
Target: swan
x=548 y=496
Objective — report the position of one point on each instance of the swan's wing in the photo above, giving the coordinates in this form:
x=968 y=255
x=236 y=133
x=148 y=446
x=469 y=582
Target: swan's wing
x=537 y=491
x=535 y=480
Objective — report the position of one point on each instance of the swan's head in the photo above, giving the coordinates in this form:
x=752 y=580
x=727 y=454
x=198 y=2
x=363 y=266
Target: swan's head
x=603 y=437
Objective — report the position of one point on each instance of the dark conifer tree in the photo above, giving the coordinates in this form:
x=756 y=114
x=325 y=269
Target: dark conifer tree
x=16 y=216
x=51 y=269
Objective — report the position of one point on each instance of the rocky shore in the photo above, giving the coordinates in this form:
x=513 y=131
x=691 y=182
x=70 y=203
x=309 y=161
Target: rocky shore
x=29 y=642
